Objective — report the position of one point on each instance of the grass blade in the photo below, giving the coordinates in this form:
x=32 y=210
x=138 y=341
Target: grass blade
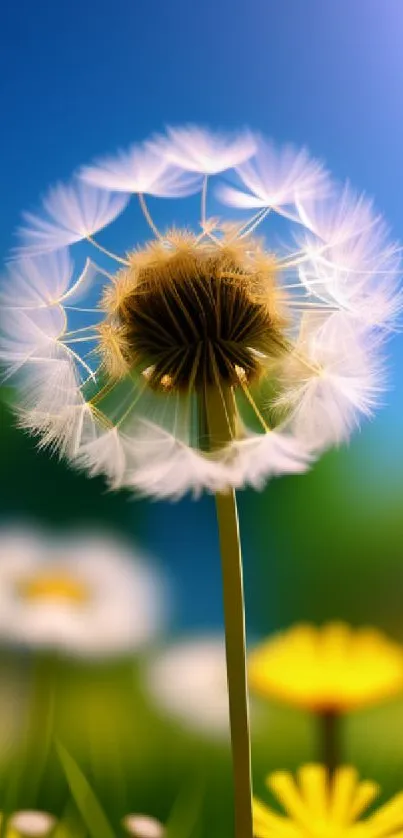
x=85 y=798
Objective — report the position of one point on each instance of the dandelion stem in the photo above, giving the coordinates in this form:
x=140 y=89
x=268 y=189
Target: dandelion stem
x=220 y=414
x=330 y=739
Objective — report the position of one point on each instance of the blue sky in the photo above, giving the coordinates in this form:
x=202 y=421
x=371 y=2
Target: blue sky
x=83 y=78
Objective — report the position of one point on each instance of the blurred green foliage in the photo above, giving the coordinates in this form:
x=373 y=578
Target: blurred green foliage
x=322 y=546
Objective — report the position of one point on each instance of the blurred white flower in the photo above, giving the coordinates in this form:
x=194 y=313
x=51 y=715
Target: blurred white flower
x=140 y=170
x=188 y=682
x=197 y=150
x=32 y=823
x=135 y=372
x=72 y=212
x=142 y=826
x=85 y=595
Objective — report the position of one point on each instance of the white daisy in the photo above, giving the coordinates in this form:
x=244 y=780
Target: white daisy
x=86 y=595
x=197 y=150
x=30 y=823
x=188 y=682
x=206 y=360
x=142 y=826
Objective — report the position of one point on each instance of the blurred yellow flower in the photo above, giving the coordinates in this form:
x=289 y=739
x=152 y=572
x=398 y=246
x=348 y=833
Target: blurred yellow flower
x=317 y=807
x=328 y=669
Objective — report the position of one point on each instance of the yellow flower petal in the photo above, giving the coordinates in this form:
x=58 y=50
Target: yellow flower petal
x=286 y=790
x=314 y=788
x=317 y=807
x=334 y=668
x=365 y=793
x=343 y=787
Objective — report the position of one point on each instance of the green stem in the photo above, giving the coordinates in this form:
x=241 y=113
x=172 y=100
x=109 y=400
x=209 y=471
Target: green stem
x=330 y=739
x=220 y=413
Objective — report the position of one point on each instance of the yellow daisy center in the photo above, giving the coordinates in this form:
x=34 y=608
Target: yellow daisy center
x=48 y=586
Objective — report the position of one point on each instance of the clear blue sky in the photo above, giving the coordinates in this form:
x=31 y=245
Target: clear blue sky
x=82 y=78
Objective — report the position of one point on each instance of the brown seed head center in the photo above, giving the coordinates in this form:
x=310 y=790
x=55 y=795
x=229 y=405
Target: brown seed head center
x=192 y=316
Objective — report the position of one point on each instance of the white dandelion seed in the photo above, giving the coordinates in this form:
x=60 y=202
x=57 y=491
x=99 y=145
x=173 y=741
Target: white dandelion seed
x=85 y=595
x=276 y=179
x=351 y=261
x=197 y=150
x=140 y=170
x=210 y=360
x=71 y=213
x=345 y=380
x=264 y=455
x=31 y=338
x=337 y=217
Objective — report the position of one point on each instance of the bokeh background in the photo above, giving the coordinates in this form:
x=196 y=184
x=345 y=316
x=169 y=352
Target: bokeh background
x=82 y=78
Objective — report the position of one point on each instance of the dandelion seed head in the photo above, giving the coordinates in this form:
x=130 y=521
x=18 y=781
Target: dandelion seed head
x=192 y=315
x=115 y=366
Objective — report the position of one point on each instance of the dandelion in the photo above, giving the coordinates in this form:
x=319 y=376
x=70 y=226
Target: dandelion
x=86 y=596
x=318 y=805
x=329 y=670
x=207 y=358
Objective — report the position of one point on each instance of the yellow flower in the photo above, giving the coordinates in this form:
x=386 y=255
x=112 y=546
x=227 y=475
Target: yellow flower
x=317 y=807
x=331 y=669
